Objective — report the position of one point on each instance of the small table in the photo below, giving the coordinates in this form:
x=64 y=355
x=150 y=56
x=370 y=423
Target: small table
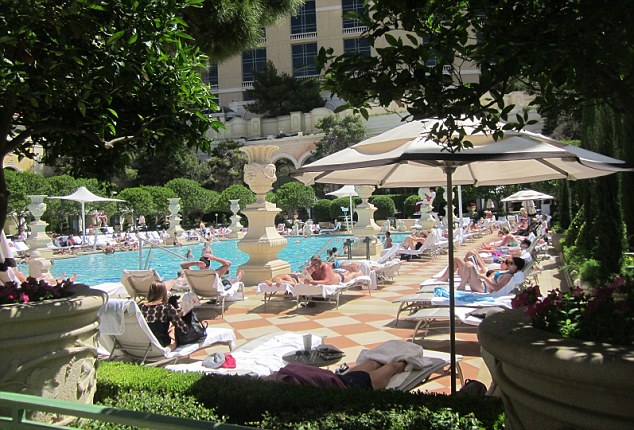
x=312 y=358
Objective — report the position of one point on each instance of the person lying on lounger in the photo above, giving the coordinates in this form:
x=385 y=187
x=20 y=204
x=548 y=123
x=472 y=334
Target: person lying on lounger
x=323 y=273
x=494 y=281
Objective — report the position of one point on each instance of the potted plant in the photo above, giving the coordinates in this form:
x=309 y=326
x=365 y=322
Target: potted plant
x=566 y=360
x=48 y=339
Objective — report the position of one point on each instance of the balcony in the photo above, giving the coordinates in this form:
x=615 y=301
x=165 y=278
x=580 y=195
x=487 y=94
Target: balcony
x=304 y=36
x=355 y=30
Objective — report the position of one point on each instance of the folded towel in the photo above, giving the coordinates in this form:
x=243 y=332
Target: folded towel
x=393 y=351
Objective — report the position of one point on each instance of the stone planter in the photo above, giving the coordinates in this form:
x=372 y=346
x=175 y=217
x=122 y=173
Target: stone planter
x=48 y=348
x=552 y=383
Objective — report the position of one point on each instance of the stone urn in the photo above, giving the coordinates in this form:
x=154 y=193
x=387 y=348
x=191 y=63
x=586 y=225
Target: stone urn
x=49 y=347
x=548 y=382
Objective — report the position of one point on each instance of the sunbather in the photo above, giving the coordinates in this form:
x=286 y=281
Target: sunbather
x=414 y=241
x=370 y=375
x=159 y=313
x=323 y=273
x=494 y=281
x=205 y=262
x=505 y=238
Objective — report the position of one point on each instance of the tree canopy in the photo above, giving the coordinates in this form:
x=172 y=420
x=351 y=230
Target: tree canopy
x=293 y=195
x=569 y=53
x=280 y=94
x=338 y=134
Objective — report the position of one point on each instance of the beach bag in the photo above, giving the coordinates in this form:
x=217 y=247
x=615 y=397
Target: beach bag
x=196 y=330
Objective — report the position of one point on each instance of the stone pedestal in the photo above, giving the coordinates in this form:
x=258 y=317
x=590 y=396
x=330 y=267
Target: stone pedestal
x=175 y=229
x=365 y=224
x=236 y=226
x=38 y=240
x=262 y=241
x=49 y=348
x=427 y=220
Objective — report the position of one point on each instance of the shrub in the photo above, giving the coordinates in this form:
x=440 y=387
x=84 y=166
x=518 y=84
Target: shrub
x=410 y=206
x=266 y=404
x=591 y=272
x=385 y=207
x=337 y=204
x=321 y=210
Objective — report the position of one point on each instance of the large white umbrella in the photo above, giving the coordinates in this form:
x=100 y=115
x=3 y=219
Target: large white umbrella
x=346 y=191
x=528 y=197
x=84 y=195
x=518 y=157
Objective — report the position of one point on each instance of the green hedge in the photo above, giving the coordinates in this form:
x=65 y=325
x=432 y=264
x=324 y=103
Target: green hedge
x=267 y=404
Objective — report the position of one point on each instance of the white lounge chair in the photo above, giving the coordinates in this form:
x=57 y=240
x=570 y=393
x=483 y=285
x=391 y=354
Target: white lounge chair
x=424 y=318
x=337 y=227
x=123 y=331
x=272 y=290
x=305 y=293
x=137 y=282
x=207 y=285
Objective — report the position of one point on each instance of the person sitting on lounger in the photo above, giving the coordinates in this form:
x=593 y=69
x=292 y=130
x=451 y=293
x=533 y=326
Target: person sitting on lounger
x=480 y=283
x=159 y=314
x=414 y=241
x=205 y=262
x=505 y=238
x=323 y=273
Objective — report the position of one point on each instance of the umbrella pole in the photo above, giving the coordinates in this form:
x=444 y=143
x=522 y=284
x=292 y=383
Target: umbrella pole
x=83 y=223
x=452 y=311
x=350 y=219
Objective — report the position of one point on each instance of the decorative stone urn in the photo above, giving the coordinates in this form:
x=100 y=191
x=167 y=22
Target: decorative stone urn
x=236 y=226
x=548 y=382
x=366 y=227
x=174 y=219
x=49 y=347
x=38 y=238
x=262 y=241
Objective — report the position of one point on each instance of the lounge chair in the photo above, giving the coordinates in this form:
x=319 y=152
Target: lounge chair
x=123 y=331
x=337 y=227
x=424 y=318
x=272 y=290
x=207 y=285
x=305 y=293
x=137 y=282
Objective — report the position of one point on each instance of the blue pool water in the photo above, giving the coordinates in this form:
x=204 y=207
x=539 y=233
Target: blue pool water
x=99 y=268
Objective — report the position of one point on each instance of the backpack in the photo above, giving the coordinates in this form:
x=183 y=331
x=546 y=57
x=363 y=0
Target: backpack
x=196 y=330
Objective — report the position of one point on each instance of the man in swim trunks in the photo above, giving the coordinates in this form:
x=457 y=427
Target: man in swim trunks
x=323 y=273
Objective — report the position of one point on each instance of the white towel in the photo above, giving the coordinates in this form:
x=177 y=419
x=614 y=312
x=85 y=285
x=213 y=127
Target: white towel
x=111 y=317
x=395 y=350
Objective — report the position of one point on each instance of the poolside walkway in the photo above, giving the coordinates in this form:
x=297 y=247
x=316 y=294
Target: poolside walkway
x=366 y=320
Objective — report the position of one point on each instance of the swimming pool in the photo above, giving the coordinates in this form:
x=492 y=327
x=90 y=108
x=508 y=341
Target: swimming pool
x=99 y=268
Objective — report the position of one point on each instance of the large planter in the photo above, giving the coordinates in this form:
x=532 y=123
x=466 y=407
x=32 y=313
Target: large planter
x=548 y=382
x=48 y=348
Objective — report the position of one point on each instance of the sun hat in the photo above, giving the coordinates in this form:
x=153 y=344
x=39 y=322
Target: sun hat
x=214 y=361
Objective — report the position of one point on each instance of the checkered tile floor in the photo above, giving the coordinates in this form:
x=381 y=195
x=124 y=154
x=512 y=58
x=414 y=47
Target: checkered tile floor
x=363 y=320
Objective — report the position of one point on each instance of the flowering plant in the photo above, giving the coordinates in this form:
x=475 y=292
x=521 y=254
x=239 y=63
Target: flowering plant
x=605 y=314
x=33 y=290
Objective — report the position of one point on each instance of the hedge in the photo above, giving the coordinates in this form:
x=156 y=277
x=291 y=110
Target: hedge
x=251 y=401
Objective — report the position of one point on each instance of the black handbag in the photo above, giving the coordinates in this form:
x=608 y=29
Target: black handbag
x=196 y=330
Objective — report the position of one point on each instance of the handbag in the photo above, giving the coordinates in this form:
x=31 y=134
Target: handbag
x=196 y=330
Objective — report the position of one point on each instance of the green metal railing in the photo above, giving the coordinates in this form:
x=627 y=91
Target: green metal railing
x=20 y=405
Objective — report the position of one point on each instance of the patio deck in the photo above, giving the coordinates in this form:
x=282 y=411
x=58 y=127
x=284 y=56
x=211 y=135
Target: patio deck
x=366 y=320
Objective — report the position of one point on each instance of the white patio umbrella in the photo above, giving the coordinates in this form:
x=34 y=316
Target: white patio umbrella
x=518 y=157
x=84 y=195
x=528 y=197
x=346 y=191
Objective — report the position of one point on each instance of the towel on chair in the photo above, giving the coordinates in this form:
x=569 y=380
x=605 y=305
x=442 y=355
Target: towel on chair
x=111 y=317
x=396 y=350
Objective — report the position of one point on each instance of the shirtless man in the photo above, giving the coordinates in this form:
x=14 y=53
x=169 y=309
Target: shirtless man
x=205 y=261
x=323 y=273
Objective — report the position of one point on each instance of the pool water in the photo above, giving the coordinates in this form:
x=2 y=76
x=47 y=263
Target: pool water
x=99 y=268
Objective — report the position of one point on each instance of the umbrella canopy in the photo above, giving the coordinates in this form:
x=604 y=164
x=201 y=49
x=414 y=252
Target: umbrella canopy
x=84 y=195
x=345 y=191
x=518 y=157
x=525 y=195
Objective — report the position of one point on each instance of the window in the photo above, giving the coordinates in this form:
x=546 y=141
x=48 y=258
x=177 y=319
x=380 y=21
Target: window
x=210 y=76
x=432 y=61
x=359 y=45
x=304 y=60
x=348 y=6
x=253 y=61
x=306 y=19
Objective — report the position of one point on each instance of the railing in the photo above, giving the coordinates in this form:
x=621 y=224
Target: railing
x=304 y=36
x=149 y=253
x=355 y=30
x=21 y=405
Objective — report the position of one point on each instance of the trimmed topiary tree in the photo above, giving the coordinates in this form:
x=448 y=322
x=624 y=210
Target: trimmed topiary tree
x=385 y=207
x=321 y=210
x=410 y=206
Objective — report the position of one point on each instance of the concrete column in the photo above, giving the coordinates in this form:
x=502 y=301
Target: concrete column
x=365 y=224
x=38 y=240
x=262 y=241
